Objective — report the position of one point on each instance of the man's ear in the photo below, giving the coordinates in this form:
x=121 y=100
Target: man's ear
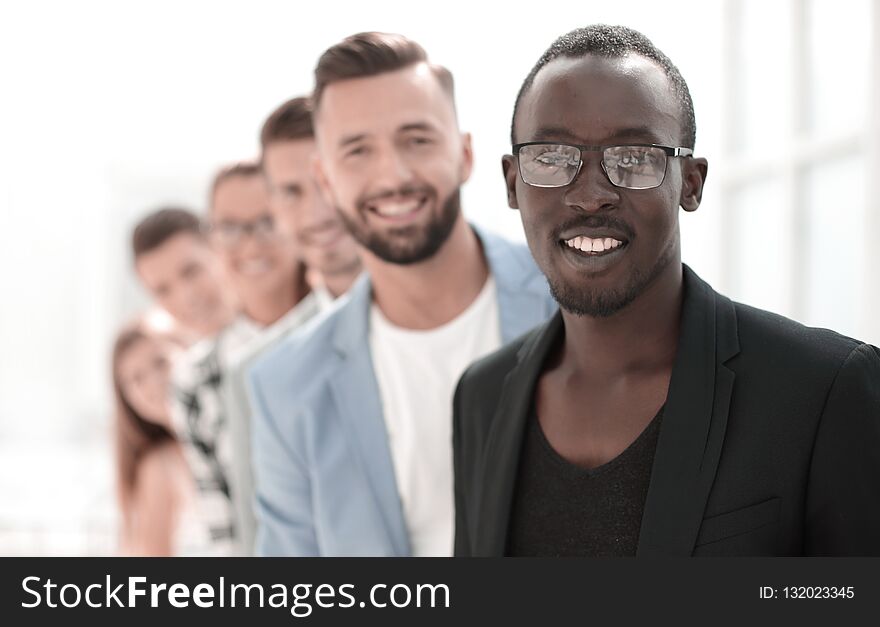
x=321 y=179
x=508 y=167
x=467 y=161
x=693 y=177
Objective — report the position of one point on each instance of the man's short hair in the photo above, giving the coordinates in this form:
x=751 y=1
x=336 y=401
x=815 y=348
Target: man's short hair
x=615 y=42
x=370 y=54
x=244 y=169
x=160 y=226
x=290 y=121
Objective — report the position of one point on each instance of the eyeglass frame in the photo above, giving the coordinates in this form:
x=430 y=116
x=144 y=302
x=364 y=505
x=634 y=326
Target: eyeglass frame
x=669 y=151
x=249 y=228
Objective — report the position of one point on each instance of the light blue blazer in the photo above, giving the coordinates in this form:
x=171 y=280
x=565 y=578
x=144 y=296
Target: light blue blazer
x=325 y=480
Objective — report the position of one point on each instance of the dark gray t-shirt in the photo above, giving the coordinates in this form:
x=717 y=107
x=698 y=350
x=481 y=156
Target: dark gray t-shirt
x=564 y=510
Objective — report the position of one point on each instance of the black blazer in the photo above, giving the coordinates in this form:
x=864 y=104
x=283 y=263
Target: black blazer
x=769 y=445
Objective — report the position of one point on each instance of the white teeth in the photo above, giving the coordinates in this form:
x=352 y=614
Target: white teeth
x=391 y=208
x=590 y=245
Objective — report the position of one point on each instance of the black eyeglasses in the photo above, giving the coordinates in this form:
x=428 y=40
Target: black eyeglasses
x=231 y=234
x=637 y=166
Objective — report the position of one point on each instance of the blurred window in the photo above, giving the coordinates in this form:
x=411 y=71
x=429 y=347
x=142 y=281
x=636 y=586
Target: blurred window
x=798 y=144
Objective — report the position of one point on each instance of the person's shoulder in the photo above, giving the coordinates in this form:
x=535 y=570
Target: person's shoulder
x=188 y=369
x=484 y=377
x=518 y=277
x=156 y=470
x=790 y=342
x=500 y=361
x=481 y=389
x=247 y=355
x=302 y=357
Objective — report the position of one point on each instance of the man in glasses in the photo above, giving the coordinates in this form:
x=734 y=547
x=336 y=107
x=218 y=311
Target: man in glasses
x=651 y=416
x=263 y=266
x=353 y=425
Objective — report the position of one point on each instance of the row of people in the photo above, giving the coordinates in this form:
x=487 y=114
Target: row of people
x=270 y=254
x=585 y=395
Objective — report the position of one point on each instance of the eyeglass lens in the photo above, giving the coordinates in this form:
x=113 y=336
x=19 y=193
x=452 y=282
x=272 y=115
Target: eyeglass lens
x=556 y=165
x=231 y=233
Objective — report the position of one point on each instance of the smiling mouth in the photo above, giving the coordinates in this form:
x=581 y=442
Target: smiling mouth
x=594 y=246
x=396 y=207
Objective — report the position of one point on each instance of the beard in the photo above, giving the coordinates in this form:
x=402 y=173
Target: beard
x=602 y=303
x=409 y=244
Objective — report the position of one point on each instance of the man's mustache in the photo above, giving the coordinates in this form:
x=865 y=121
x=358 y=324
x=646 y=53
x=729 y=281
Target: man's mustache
x=595 y=222
x=404 y=192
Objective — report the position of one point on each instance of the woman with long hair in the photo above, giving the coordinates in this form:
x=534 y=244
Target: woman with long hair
x=154 y=485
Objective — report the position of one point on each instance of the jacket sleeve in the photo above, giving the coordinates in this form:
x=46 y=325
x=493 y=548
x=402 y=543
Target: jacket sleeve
x=843 y=493
x=462 y=541
x=283 y=491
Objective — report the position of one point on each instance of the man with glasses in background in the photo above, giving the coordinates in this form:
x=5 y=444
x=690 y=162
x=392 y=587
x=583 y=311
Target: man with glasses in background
x=264 y=268
x=651 y=416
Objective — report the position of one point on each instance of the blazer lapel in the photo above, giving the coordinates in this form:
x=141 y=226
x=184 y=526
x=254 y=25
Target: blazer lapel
x=524 y=299
x=694 y=423
x=521 y=309
x=501 y=457
x=356 y=394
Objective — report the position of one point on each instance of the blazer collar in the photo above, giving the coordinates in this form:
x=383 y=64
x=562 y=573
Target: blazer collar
x=497 y=477
x=694 y=423
x=350 y=330
x=356 y=396
x=510 y=265
x=523 y=296
x=691 y=434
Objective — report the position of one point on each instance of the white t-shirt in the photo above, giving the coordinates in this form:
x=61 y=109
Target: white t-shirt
x=417 y=372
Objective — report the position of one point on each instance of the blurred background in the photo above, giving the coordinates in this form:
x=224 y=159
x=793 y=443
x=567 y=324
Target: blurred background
x=111 y=109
